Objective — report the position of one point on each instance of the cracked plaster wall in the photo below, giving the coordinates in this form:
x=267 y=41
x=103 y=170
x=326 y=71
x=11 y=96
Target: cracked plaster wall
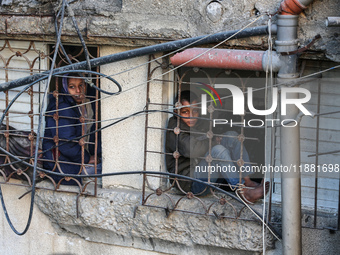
x=116 y=223
x=129 y=23
x=44 y=236
x=116 y=217
x=135 y=23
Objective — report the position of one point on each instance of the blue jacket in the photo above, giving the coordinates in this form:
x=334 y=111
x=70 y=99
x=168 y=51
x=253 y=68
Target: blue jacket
x=70 y=151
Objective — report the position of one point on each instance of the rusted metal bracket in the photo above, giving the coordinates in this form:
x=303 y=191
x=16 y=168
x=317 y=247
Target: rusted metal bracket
x=317 y=37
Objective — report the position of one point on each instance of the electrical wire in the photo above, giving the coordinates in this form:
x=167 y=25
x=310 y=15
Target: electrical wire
x=191 y=41
x=144 y=172
x=64 y=2
x=111 y=174
x=47 y=77
x=290 y=83
x=37 y=142
x=284 y=83
x=180 y=49
x=90 y=133
x=287 y=83
x=40 y=122
x=193 y=83
x=60 y=44
x=75 y=24
x=92 y=84
x=175 y=68
x=270 y=69
x=183 y=64
x=169 y=111
x=151 y=61
x=260 y=217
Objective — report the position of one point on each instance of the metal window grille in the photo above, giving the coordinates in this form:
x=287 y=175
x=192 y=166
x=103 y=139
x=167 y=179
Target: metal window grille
x=20 y=59
x=319 y=142
x=218 y=205
x=175 y=199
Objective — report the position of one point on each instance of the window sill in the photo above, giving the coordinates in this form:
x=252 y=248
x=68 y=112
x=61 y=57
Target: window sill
x=117 y=217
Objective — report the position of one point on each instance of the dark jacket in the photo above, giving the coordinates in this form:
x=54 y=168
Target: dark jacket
x=191 y=146
x=70 y=151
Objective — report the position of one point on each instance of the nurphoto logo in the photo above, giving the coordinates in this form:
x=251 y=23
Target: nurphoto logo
x=238 y=98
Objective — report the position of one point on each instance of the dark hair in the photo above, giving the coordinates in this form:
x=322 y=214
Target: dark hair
x=188 y=96
x=66 y=77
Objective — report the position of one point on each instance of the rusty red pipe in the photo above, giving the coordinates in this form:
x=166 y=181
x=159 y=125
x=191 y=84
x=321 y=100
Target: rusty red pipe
x=293 y=7
x=226 y=59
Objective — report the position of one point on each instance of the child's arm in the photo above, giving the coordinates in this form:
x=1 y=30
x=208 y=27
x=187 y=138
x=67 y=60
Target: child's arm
x=189 y=145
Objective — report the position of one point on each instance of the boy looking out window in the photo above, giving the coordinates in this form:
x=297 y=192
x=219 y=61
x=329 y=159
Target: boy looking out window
x=189 y=147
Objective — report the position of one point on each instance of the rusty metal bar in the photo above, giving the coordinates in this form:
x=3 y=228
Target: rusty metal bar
x=234 y=161
x=147 y=100
x=324 y=153
x=213 y=215
x=16 y=114
x=204 y=133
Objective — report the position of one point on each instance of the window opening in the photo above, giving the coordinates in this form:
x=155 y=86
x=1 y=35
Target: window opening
x=18 y=132
x=216 y=205
x=255 y=143
x=70 y=116
x=19 y=59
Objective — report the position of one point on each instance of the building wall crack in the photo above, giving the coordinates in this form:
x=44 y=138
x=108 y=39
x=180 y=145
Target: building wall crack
x=117 y=217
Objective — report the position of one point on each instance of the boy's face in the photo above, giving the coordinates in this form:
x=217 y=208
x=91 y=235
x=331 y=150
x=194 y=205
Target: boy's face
x=77 y=88
x=189 y=111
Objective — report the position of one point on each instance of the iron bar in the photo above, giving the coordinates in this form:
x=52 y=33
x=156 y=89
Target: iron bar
x=202 y=133
x=149 y=73
x=324 y=153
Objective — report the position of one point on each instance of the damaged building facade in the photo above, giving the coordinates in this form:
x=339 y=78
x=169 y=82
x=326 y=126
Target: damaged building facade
x=293 y=43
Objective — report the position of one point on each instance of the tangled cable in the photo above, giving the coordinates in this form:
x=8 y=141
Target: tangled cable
x=48 y=77
x=35 y=167
x=96 y=175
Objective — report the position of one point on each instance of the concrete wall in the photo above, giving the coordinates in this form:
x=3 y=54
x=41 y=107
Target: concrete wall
x=107 y=224
x=116 y=223
x=116 y=218
x=45 y=237
x=145 y=22
x=123 y=144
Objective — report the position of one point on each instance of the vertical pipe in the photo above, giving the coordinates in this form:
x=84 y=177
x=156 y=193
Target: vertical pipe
x=290 y=141
x=338 y=226
x=291 y=186
x=317 y=156
x=96 y=134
